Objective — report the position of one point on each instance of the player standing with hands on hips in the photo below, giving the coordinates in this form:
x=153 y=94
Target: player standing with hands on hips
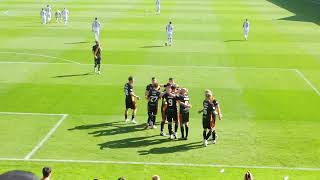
x=43 y=15
x=48 y=11
x=246 y=27
x=96 y=28
x=65 y=15
x=96 y=50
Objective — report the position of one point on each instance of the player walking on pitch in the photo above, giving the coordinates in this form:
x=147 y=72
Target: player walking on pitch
x=96 y=28
x=48 y=12
x=43 y=16
x=130 y=100
x=169 y=30
x=246 y=28
x=96 y=50
x=158 y=6
x=58 y=16
x=65 y=15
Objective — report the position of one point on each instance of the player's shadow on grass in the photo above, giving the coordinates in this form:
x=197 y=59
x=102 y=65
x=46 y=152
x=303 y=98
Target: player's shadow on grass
x=111 y=128
x=172 y=149
x=151 y=46
x=134 y=142
x=81 y=42
x=72 y=75
x=234 y=40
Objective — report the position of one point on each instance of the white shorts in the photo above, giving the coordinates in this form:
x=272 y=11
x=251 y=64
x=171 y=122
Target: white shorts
x=170 y=35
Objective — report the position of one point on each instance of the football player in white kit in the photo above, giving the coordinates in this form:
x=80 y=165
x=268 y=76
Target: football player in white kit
x=96 y=28
x=246 y=27
x=65 y=15
x=169 y=30
x=48 y=11
x=58 y=16
x=43 y=15
x=158 y=6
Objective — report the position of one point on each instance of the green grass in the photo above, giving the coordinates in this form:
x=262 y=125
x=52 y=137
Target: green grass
x=271 y=116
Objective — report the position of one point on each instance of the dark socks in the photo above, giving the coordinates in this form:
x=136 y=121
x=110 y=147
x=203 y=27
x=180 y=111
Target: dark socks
x=154 y=120
x=125 y=116
x=204 y=134
x=162 y=126
x=170 y=128
x=176 y=127
x=208 y=135
x=187 y=131
x=213 y=135
x=182 y=131
x=132 y=117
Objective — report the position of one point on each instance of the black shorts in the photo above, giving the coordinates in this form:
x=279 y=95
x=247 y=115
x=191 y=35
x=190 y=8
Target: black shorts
x=206 y=124
x=97 y=60
x=184 y=117
x=172 y=116
x=130 y=104
x=152 y=110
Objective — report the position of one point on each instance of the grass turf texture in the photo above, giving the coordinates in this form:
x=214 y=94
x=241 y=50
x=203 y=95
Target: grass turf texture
x=271 y=115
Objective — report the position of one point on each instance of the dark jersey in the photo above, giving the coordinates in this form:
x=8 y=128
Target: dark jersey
x=94 y=48
x=171 y=102
x=184 y=99
x=127 y=90
x=208 y=109
x=153 y=96
x=149 y=87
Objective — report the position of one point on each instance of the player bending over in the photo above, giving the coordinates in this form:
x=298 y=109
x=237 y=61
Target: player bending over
x=246 y=27
x=65 y=15
x=208 y=116
x=58 y=16
x=48 y=12
x=158 y=6
x=96 y=28
x=169 y=30
x=184 y=112
x=96 y=50
x=43 y=16
x=153 y=99
x=130 y=100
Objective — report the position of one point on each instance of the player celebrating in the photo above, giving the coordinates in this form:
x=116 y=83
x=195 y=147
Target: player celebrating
x=130 y=100
x=150 y=86
x=48 y=12
x=172 y=110
x=96 y=50
x=169 y=30
x=246 y=27
x=184 y=112
x=153 y=99
x=158 y=6
x=58 y=16
x=96 y=28
x=43 y=15
x=65 y=15
x=207 y=116
x=164 y=107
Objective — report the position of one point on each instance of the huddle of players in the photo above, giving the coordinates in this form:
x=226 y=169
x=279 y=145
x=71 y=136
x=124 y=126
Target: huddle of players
x=174 y=108
x=45 y=15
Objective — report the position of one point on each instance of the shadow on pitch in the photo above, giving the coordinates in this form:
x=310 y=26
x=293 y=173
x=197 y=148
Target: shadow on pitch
x=134 y=142
x=81 y=42
x=73 y=75
x=110 y=128
x=172 y=149
x=151 y=46
x=234 y=40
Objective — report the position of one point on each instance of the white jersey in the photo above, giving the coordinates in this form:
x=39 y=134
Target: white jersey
x=246 y=25
x=48 y=10
x=158 y=2
x=65 y=13
x=96 y=25
x=169 y=28
x=43 y=13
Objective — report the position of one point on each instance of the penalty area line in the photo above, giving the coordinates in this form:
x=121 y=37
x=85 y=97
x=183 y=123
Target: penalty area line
x=49 y=134
x=307 y=81
x=164 y=164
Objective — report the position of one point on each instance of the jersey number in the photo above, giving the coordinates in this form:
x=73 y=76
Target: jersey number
x=170 y=102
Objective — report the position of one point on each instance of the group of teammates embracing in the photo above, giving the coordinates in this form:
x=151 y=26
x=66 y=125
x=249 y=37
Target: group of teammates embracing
x=175 y=108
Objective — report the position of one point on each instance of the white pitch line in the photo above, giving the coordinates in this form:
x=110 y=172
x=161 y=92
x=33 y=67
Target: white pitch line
x=159 y=66
x=39 y=145
x=307 y=81
x=6 y=13
x=163 y=164
x=24 y=113
x=39 y=55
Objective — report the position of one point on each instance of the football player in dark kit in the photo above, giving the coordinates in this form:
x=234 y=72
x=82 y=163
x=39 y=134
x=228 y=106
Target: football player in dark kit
x=153 y=99
x=96 y=50
x=164 y=107
x=172 y=109
x=209 y=116
x=185 y=105
x=146 y=94
x=130 y=100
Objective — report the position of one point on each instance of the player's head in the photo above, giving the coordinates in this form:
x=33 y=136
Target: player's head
x=171 y=80
x=170 y=22
x=208 y=94
x=183 y=91
x=48 y=5
x=155 y=177
x=168 y=87
x=97 y=42
x=248 y=176
x=153 y=80
x=155 y=86
x=46 y=172
x=95 y=18
x=17 y=174
x=246 y=19
x=121 y=178
x=130 y=79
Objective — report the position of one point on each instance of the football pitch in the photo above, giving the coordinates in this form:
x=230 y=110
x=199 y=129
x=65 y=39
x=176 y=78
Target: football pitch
x=54 y=111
